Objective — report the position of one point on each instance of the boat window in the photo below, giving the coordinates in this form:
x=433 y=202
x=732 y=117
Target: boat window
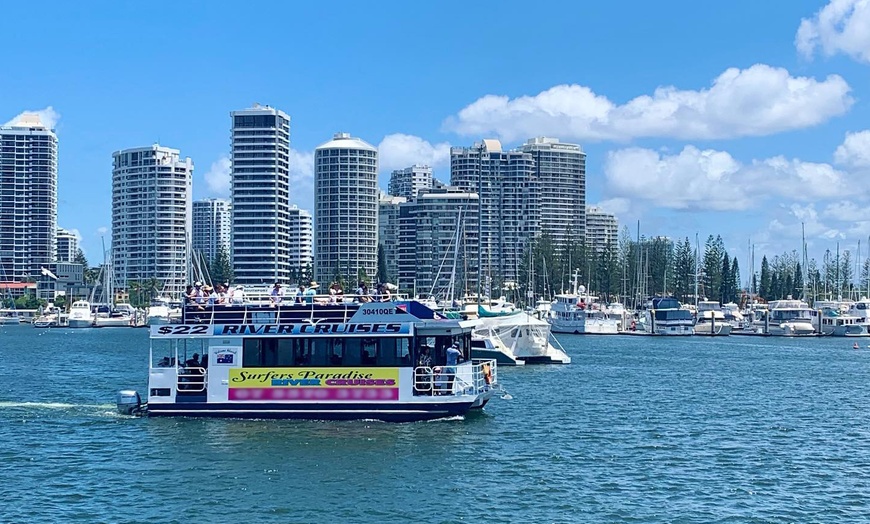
x=324 y=352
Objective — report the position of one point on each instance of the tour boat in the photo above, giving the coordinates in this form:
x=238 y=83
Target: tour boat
x=382 y=360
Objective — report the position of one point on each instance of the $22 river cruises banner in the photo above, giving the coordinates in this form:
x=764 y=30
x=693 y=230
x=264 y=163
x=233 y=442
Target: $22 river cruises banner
x=346 y=384
x=361 y=329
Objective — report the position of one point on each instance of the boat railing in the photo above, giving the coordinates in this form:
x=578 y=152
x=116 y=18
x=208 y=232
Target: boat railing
x=337 y=308
x=191 y=379
x=468 y=378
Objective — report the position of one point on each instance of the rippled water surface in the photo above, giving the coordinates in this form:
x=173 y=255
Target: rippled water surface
x=637 y=429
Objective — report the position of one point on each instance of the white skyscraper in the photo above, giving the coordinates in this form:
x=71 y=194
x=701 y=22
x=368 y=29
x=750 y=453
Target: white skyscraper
x=510 y=209
x=301 y=243
x=345 y=208
x=211 y=227
x=151 y=217
x=409 y=181
x=28 y=198
x=260 y=180
x=67 y=245
x=561 y=173
x=388 y=232
x=602 y=229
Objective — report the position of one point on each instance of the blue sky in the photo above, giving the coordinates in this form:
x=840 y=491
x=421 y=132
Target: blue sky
x=742 y=118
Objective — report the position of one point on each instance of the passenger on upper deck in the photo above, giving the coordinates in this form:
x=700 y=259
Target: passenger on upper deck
x=309 y=293
x=362 y=292
x=335 y=292
x=300 y=291
x=208 y=295
x=239 y=295
x=277 y=294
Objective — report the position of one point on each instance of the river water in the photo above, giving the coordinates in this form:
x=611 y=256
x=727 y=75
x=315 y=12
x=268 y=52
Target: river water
x=637 y=429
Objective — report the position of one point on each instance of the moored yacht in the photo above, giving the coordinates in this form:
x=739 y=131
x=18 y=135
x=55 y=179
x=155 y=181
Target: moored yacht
x=788 y=318
x=664 y=316
x=527 y=337
x=577 y=313
x=831 y=317
x=121 y=315
x=393 y=361
x=80 y=315
x=861 y=310
x=711 y=319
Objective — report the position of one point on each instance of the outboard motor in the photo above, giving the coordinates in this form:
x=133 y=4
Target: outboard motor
x=129 y=402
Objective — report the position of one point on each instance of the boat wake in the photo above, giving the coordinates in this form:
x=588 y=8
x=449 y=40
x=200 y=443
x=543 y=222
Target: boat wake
x=52 y=405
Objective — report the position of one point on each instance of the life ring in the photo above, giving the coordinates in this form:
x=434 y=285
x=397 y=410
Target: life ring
x=487 y=374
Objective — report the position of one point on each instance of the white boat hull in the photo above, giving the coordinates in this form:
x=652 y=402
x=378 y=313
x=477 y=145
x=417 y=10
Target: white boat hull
x=9 y=321
x=81 y=322
x=709 y=329
x=113 y=322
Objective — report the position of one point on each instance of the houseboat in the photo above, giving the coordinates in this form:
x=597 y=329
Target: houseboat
x=391 y=361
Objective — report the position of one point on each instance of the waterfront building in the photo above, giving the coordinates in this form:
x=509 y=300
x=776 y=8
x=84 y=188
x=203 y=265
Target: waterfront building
x=151 y=217
x=61 y=279
x=260 y=189
x=409 y=181
x=437 y=243
x=561 y=174
x=602 y=229
x=67 y=245
x=388 y=232
x=510 y=209
x=301 y=243
x=345 y=208
x=211 y=227
x=28 y=198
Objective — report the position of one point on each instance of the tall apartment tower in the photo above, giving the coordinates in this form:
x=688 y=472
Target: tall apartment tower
x=345 y=208
x=28 y=198
x=260 y=188
x=438 y=242
x=388 y=233
x=561 y=173
x=602 y=229
x=510 y=207
x=408 y=182
x=301 y=243
x=211 y=227
x=151 y=217
x=67 y=245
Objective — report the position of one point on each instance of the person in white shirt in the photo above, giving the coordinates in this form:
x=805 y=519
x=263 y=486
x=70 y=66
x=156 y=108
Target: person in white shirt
x=277 y=294
x=239 y=295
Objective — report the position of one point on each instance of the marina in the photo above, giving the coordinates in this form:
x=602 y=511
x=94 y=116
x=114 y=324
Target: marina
x=667 y=426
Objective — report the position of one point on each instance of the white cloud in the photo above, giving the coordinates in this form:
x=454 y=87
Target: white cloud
x=760 y=100
x=713 y=180
x=48 y=116
x=846 y=211
x=855 y=150
x=842 y=26
x=397 y=151
x=102 y=230
x=615 y=206
x=301 y=167
x=218 y=176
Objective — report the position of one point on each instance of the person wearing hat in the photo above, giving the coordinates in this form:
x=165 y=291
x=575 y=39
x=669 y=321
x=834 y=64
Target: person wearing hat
x=310 y=291
x=453 y=356
x=239 y=295
x=277 y=294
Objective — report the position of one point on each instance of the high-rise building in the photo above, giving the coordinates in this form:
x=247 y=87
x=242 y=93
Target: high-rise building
x=211 y=227
x=409 y=181
x=345 y=208
x=28 y=198
x=67 y=245
x=151 y=217
x=602 y=229
x=510 y=210
x=260 y=187
x=438 y=242
x=301 y=243
x=561 y=173
x=388 y=233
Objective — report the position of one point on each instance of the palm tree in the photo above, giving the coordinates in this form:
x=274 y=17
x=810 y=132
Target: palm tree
x=135 y=289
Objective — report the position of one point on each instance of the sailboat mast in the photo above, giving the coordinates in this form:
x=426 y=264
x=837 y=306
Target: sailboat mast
x=804 y=262
x=697 y=251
